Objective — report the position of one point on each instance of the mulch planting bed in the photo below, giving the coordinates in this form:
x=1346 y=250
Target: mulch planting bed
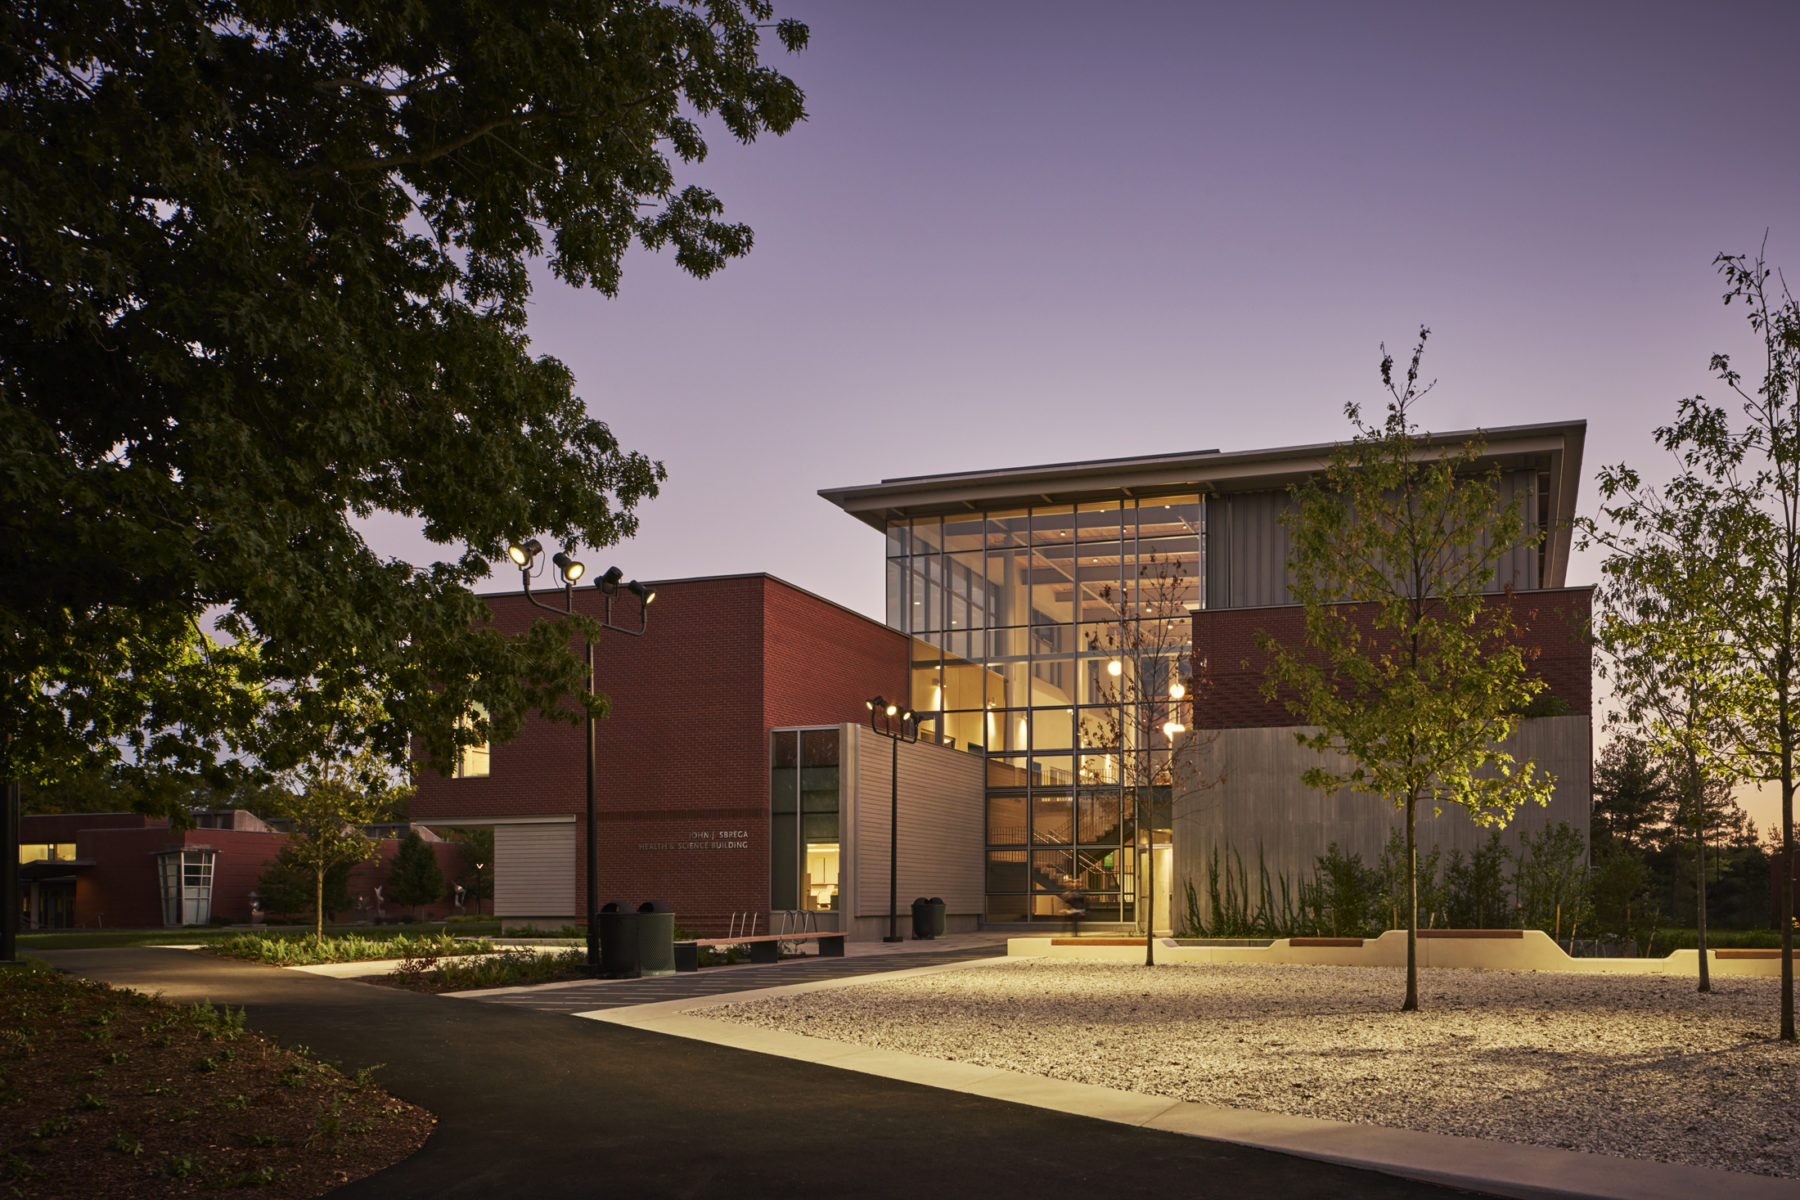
x=105 y=1091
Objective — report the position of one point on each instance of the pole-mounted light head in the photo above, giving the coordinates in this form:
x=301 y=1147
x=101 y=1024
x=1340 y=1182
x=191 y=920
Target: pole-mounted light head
x=523 y=555
x=1114 y=667
x=1176 y=691
x=644 y=594
x=874 y=704
x=571 y=570
x=609 y=582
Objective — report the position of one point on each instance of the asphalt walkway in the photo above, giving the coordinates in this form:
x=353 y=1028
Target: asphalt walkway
x=541 y=1104
x=592 y=995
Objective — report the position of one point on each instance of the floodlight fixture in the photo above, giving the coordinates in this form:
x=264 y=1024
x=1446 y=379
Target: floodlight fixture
x=571 y=569
x=1114 y=668
x=524 y=555
x=645 y=595
x=609 y=582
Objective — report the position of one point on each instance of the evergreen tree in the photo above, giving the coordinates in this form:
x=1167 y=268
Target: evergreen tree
x=1632 y=798
x=416 y=879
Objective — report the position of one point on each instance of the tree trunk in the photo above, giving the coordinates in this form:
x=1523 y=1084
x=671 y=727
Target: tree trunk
x=1787 y=895
x=319 y=906
x=1412 y=911
x=1700 y=898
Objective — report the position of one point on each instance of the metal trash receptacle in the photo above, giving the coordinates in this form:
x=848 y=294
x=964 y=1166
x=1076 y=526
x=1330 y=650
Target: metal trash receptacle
x=619 y=940
x=936 y=920
x=655 y=938
x=928 y=920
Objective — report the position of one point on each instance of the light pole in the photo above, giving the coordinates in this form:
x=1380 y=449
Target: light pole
x=1170 y=728
x=525 y=557
x=897 y=725
x=1144 y=796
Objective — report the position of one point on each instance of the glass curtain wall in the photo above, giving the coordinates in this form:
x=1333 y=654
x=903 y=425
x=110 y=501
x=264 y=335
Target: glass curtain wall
x=804 y=847
x=1016 y=616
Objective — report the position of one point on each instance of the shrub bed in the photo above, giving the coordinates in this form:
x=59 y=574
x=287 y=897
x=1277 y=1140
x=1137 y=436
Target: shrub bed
x=505 y=968
x=106 y=1092
x=300 y=951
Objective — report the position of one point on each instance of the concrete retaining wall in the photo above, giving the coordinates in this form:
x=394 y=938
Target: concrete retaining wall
x=1516 y=950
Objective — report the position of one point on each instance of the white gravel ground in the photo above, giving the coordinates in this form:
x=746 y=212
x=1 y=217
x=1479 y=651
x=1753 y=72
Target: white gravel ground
x=1634 y=1066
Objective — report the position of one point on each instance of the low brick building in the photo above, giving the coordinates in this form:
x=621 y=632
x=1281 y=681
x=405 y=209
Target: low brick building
x=126 y=870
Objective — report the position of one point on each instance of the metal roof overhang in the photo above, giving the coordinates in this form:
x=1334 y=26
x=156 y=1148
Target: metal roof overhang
x=1554 y=448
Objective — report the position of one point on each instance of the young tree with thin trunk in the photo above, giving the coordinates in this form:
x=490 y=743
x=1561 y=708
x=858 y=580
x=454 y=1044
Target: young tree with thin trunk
x=1410 y=668
x=1144 y=687
x=1674 y=670
x=343 y=786
x=1738 y=483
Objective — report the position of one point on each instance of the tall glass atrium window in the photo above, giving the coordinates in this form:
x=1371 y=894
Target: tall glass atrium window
x=804 y=848
x=1016 y=616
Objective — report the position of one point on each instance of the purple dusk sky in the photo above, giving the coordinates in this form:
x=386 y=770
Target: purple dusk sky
x=1034 y=232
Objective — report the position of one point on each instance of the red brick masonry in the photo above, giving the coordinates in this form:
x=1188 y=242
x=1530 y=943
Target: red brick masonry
x=1553 y=623
x=683 y=759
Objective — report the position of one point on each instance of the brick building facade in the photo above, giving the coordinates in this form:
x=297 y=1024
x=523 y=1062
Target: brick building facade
x=683 y=758
x=105 y=870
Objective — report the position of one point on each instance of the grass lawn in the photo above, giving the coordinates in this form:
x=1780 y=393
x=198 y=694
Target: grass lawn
x=105 y=1091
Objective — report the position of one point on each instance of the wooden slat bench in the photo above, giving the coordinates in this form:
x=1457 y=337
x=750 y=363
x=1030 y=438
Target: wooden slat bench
x=764 y=947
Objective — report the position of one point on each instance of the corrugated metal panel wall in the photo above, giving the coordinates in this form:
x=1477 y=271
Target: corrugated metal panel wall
x=942 y=794
x=1246 y=550
x=534 y=870
x=1260 y=806
x=1247 y=546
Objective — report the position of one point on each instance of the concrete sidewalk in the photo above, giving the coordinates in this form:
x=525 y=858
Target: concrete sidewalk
x=532 y=1103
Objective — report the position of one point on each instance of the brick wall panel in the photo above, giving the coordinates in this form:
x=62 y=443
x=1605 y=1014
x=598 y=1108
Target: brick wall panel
x=1553 y=625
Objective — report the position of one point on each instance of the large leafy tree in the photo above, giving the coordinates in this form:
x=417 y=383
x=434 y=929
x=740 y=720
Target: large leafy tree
x=263 y=273
x=1737 y=485
x=1409 y=670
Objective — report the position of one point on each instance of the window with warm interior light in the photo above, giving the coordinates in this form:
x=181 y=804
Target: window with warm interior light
x=472 y=761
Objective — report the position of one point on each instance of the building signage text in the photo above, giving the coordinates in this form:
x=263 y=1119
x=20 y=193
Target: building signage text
x=705 y=839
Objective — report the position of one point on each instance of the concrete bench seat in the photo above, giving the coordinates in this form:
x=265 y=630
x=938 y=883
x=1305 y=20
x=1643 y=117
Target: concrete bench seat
x=764 y=947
